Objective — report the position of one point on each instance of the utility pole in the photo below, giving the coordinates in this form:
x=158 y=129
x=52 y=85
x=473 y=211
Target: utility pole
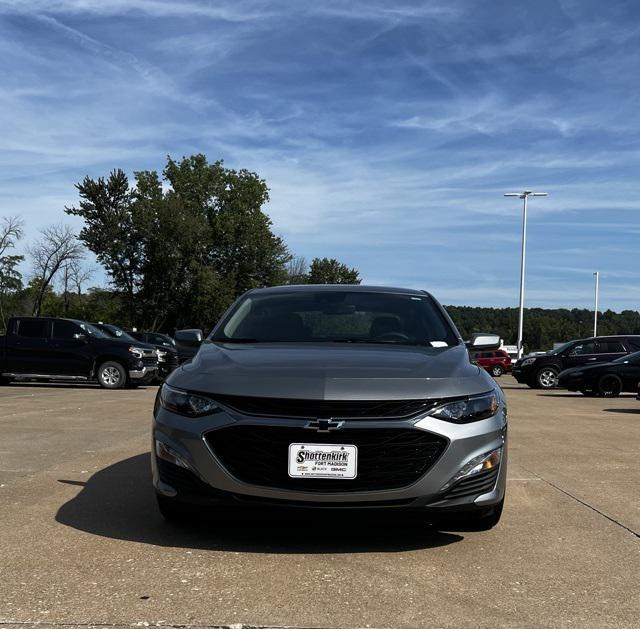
x=595 y=314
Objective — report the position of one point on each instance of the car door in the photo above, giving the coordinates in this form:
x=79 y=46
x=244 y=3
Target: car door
x=70 y=346
x=28 y=349
x=628 y=370
x=580 y=354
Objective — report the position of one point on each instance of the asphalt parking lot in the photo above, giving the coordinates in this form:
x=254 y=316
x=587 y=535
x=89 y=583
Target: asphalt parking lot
x=81 y=542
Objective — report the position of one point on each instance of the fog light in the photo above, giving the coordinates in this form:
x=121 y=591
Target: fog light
x=478 y=464
x=168 y=454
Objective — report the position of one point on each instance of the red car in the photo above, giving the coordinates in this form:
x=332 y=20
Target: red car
x=496 y=362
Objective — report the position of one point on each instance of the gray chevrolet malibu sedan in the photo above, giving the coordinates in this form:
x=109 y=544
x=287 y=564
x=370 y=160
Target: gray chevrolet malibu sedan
x=344 y=397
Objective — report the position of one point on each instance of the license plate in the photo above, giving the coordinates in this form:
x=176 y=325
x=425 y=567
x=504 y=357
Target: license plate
x=318 y=460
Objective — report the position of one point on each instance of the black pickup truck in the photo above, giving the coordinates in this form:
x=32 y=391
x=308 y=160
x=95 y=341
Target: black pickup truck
x=41 y=348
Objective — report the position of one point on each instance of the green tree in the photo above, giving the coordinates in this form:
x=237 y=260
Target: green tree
x=201 y=242
x=112 y=231
x=330 y=271
x=242 y=247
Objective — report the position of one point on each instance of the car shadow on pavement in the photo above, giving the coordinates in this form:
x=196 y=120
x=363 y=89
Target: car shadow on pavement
x=118 y=502
x=630 y=411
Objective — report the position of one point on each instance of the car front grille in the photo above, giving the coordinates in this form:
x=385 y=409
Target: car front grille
x=149 y=358
x=388 y=458
x=475 y=485
x=312 y=409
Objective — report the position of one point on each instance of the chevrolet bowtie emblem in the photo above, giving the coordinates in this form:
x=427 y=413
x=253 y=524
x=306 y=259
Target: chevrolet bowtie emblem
x=324 y=425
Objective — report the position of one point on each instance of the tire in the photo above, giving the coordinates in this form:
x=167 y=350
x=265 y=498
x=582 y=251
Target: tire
x=547 y=378
x=473 y=520
x=497 y=371
x=112 y=375
x=609 y=385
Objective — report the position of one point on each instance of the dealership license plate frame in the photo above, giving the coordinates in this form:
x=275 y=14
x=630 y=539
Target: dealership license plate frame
x=323 y=469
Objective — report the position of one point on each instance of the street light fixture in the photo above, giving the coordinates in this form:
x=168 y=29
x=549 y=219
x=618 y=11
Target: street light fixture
x=595 y=316
x=524 y=196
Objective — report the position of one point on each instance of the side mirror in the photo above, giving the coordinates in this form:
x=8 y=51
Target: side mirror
x=189 y=338
x=81 y=337
x=484 y=341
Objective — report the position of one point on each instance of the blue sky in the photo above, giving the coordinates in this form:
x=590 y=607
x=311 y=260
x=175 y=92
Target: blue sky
x=387 y=131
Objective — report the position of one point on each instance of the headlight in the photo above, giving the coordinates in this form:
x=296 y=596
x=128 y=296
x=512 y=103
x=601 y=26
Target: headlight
x=481 y=463
x=185 y=403
x=527 y=361
x=162 y=356
x=470 y=410
x=138 y=352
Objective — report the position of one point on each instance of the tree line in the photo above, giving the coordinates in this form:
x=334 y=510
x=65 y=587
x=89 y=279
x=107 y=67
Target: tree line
x=542 y=327
x=178 y=247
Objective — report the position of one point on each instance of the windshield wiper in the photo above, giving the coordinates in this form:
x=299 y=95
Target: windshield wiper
x=238 y=340
x=350 y=340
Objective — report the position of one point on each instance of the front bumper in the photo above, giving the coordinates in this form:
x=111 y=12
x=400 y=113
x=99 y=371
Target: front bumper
x=207 y=481
x=521 y=375
x=143 y=373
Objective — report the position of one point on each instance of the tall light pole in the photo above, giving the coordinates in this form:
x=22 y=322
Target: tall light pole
x=595 y=316
x=524 y=196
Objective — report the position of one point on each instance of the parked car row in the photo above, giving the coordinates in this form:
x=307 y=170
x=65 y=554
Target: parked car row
x=46 y=348
x=167 y=354
x=603 y=365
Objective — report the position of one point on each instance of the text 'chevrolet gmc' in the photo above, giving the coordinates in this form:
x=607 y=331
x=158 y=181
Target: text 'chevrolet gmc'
x=41 y=348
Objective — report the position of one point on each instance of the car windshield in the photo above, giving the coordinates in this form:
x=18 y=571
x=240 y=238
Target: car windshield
x=562 y=348
x=91 y=330
x=161 y=339
x=337 y=316
x=629 y=358
x=118 y=333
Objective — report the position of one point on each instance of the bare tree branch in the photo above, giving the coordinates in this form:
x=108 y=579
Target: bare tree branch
x=10 y=277
x=56 y=247
x=10 y=232
x=296 y=270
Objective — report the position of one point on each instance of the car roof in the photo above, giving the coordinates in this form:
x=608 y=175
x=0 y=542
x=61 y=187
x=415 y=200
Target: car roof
x=344 y=288
x=608 y=336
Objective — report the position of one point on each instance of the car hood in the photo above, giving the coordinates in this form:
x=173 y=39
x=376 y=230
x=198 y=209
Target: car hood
x=586 y=368
x=332 y=372
x=111 y=341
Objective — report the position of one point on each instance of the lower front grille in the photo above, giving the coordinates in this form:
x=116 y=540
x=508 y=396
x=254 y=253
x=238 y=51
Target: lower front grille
x=388 y=458
x=475 y=485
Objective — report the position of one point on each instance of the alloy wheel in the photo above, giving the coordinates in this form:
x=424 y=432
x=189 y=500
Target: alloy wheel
x=111 y=376
x=610 y=386
x=548 y=378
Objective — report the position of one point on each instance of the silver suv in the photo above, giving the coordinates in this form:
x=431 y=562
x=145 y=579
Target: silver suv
x=333 y=396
